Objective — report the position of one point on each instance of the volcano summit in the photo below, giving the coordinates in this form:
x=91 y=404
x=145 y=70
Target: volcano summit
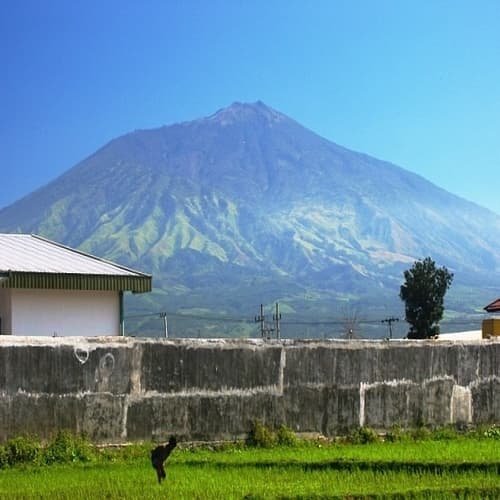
x=247 y=206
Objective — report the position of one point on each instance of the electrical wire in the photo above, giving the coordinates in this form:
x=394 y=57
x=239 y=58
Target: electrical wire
x=298 y=322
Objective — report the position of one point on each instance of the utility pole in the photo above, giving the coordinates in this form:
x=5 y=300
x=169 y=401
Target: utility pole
x=390 y=321
x=260 y=319
x=163 y=315
x=277 y=318
x=265 y=331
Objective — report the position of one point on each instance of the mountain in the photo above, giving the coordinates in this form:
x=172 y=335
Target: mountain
x=247 y=206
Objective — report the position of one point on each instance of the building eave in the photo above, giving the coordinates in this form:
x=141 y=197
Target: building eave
x=139 y=283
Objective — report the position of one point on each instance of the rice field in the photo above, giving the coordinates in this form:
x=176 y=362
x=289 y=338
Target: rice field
x=457 y=468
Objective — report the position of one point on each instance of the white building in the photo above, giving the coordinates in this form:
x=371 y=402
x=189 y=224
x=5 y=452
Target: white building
x=49 y=289
x=469 y=335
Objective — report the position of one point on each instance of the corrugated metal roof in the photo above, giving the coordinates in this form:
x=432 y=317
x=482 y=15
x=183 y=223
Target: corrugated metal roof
x=32 y=254
x=35 y=262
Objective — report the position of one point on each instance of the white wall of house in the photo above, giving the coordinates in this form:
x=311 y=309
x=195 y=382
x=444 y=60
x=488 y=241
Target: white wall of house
x=64 y=312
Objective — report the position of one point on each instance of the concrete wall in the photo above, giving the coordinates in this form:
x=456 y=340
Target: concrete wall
x=64 y=312
x=124 y=389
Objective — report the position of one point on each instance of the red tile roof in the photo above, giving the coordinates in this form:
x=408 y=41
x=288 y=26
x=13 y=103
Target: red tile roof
x=493 y=307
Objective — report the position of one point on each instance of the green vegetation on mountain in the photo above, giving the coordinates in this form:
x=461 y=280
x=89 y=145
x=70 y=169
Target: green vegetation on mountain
x=247 y=206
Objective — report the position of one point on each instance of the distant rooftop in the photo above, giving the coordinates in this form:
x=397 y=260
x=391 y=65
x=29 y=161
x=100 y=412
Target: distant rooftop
x=31 y=261
x=494 y=307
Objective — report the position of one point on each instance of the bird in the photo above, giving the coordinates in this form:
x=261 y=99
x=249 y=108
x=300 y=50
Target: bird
x=160 y=454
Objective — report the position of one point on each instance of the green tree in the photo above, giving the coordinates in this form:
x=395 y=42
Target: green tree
x=423 y=294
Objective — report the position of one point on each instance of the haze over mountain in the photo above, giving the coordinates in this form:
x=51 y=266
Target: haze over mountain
x=248 y=206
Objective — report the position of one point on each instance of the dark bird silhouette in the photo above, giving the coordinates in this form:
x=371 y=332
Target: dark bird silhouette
x=159 y=455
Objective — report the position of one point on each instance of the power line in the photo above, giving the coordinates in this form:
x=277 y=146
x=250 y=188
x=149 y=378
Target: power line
x=291 y=322
x=190 y=316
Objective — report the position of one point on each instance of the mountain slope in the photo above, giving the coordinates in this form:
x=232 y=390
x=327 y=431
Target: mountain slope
x=247 y=194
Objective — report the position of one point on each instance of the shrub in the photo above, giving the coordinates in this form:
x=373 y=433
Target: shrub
x=444 y=434
x=396 y=435
x=493 y=432
x=261 y=436
x=286 y=437
x=23 y=450
x=421 y=433
x=4 y=457
x=364 y=435
x=66 y=447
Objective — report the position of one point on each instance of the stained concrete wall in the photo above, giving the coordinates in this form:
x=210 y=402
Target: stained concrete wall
x=124 y=389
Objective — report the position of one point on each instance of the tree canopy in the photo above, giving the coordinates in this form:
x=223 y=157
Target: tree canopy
x=423 y=294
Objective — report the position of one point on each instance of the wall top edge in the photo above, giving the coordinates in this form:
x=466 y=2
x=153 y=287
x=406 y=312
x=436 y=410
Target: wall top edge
x=115 y=341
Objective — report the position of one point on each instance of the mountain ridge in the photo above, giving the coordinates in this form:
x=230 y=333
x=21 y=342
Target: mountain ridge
x=249 y=191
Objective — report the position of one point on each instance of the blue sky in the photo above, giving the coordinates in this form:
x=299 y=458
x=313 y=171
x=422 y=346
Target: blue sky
x=415 y=82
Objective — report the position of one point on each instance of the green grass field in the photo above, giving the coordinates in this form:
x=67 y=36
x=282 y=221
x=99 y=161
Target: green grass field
x=454 y=468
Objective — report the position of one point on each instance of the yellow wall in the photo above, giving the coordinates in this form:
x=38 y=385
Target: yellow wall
x=491 y=327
